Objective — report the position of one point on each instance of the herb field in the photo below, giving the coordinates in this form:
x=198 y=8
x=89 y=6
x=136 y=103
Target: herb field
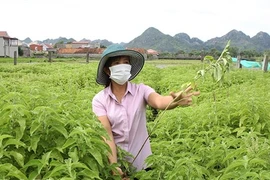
x=48 y=130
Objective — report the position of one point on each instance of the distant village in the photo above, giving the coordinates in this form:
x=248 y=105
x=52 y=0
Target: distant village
x=10 y=47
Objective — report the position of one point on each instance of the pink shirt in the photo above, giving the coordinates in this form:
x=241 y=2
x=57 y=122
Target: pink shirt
x=128 y=119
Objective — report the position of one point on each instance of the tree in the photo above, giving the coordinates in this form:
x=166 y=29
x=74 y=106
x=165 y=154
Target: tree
x=20 y=51
x=59 y=42
x=102 y=46
x=267 y=52
x=215 y=53
x=180 y=52
x=234 y=51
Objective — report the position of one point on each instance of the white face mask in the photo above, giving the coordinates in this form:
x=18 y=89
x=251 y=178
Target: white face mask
x=120 y=73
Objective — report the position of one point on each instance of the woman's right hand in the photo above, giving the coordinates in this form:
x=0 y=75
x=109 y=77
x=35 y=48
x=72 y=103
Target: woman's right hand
x=120 y=172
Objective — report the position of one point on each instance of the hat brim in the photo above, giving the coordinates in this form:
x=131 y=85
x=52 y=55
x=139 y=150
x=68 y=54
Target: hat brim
x=136 y=61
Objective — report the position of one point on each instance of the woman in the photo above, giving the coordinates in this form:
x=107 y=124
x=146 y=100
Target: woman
x=121 y=106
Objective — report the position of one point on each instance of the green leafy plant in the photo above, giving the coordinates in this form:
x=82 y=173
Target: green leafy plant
x=217 y=68
x=225 y=137
x=48 y=131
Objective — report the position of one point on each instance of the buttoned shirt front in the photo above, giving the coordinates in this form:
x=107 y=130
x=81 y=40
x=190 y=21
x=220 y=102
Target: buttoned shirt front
x=127 y=119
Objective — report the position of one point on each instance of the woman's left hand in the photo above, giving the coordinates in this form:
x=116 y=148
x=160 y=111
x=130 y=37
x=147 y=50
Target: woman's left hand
x=183 y=98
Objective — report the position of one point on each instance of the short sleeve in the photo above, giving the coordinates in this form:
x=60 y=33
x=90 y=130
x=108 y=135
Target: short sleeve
x=97 y=106
x=147 y=91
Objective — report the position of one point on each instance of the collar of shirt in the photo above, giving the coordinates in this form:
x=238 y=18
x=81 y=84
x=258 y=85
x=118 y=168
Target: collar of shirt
x=129 y=90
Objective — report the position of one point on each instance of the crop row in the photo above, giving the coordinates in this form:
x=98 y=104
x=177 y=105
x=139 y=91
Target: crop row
x=48 y=130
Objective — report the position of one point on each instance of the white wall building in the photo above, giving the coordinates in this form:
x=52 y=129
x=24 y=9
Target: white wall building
x=8 y=45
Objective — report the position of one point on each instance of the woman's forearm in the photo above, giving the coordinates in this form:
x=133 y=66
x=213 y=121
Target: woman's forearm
x=160 y=102
x=113 y=154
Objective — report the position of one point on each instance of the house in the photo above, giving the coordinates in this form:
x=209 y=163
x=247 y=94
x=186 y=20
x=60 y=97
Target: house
x=8 y=45
x=140 y=50
x=152 y=52
x=46 y=46
x=76 y=44
x=82 y=44
x=36 y=47
x=80 y=52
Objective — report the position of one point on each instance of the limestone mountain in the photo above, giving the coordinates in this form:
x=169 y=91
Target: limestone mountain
x=238 y=39
x=27 y=40
x=58 y=40
x=103 y=42
x=152 y=38
x=192 y=43
x=261 y=41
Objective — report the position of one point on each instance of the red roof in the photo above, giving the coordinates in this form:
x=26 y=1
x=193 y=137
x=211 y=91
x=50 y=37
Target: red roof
x=4 y=34
x=80 y=50
x=38 y=45
x=151 y=51
x=140 y=50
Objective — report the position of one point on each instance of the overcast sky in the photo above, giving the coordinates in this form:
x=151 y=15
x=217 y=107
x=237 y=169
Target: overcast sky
x=123 y=20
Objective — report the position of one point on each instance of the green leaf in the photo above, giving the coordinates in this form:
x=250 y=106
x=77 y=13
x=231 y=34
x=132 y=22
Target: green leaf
x=89 y=173
x=235 y=154
x=240 y=131
x=257 y=162
x=74 y=155
x=201 y=72
x=234 y=165
x=34 y=126
x=96 y=154
x=79 y=165
x=242 y=120
x=246 y=160
x=77 y=130
x=61 y=129
x=12 y=171
x=219 y=73
x=68 y=143
x=256 y=118
x=71 y=172
x=32 y=162
x=185 y=86
x=209 y=58
x=45 y=158
x=56 y=154
x=68 y=178
x=34 y=142
x=18 y=157
x=58 y=170
x=15 y=142
x=264 y=174
x=34 y=174
x=252 y=175
x=230 y=175
x=4 y=116
x=20 y=131
x=4 y=136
